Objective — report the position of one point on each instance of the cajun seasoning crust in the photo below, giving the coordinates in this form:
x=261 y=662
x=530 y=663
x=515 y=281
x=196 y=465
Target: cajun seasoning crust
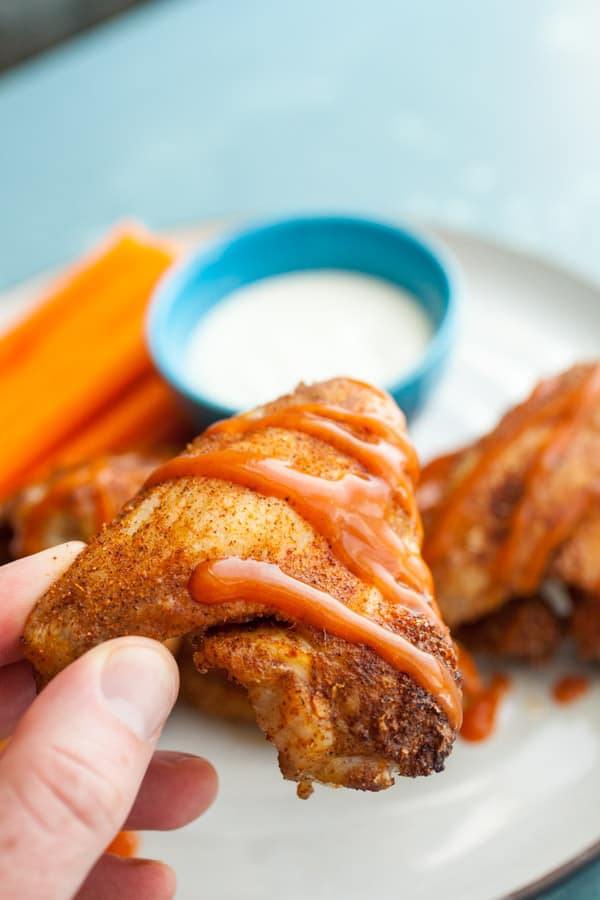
x=465 y=548
x=357 y=713
x=133 y=579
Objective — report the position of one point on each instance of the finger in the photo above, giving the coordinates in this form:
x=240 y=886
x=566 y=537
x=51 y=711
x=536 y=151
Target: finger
x=128 y=879
x=17 y=692
x=69 y=776
x=22 y=583
x=177 y=788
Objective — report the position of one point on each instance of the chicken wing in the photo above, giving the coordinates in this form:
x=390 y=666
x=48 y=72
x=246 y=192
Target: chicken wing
x=73 y=503
x=212 y=692
x=512 y=524
x=288 y=542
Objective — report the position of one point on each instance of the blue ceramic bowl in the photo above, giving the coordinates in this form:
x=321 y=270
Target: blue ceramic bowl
x=290 y=245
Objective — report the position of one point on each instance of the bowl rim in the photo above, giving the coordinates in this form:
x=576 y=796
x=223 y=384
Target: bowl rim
x=177 y=277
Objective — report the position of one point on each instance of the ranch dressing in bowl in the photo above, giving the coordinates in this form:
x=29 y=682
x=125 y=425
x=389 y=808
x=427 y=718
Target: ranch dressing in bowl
x=265 y=337
x=304 y=298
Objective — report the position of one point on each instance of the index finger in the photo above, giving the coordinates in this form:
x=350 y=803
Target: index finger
x=22 y=583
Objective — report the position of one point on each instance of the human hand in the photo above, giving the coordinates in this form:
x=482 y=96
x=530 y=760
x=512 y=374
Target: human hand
x=81 y=763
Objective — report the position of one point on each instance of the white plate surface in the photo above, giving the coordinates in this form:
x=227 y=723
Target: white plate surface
x=505 y=812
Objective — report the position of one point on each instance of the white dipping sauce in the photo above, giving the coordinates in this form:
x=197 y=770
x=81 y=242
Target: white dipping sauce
x=304 y=326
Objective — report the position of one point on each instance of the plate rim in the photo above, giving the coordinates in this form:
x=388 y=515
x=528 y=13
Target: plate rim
x=560 y=875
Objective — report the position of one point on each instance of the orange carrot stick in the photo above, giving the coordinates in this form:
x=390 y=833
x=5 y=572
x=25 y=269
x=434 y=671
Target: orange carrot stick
x=95 y=272
x=125 y=844
x=87 y=352
x=146 y=415
x=96 y=320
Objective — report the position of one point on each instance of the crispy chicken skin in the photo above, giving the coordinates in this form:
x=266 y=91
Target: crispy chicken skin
x=336 y=711
x=515 y=516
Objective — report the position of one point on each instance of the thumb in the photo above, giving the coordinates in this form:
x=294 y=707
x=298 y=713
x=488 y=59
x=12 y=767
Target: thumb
x=71 y=773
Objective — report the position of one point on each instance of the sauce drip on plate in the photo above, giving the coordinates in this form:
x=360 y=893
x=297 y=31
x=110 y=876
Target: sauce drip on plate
x=480 y=714
x=481 y=703
x=351 y=513
x=570 y=688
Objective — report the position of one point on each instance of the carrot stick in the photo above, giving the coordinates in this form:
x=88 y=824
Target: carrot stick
x=103 y=315
x=71 y=359
x=95 y=272
x=147 y=415
x=125 y=844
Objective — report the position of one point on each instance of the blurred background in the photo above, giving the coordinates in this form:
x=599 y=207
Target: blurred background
x=478 y=116
x=29 y=26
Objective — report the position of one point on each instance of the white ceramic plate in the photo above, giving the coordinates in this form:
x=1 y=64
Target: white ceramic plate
x=505 y=813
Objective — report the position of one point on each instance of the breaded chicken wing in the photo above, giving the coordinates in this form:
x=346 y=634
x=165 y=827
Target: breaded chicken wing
x=512 y=524
x=287 y=541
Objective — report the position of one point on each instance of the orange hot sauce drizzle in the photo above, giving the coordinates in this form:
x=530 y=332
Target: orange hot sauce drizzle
x=481 y=703
x=451 y=513
x=389 y=454
x=564 y=415
x=472 y=685
x=350 y=513
x=549 y=457
x=225 y=580
x=383 y=457
x=570 y=688
x=481 y=711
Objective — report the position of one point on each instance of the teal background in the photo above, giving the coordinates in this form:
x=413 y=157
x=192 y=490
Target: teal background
x=476 y=114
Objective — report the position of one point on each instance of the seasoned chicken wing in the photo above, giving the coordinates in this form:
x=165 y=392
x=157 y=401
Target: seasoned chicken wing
x=74 y=502
x=287 y=541
x=513 y=524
